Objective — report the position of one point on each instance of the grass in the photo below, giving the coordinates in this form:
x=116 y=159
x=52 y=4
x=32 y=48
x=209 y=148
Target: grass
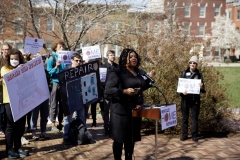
x=232 y=78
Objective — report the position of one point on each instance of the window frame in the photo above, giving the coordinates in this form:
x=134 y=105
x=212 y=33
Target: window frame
x=185 y=11
x=199 y=29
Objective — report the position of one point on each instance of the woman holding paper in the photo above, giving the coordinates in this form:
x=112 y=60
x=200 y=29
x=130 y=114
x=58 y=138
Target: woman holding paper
x=191 y=101
x=125 y=88
x=14 y=130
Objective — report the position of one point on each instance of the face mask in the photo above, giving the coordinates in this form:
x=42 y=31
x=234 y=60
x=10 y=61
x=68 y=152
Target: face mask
x=14 y=62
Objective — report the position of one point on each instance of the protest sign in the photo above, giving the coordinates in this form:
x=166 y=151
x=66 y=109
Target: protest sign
x=80 y=85
x=189 y=86
x=168 y=116
x=33 y=45
x=65 y=56
x=27 y=87
x=103 y=74
x=91 y=52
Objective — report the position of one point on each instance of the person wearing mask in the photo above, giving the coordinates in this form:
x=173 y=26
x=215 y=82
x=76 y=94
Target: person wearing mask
x=54 y=67
x=191 y=101
x=125 y=87
x=76 y=60
x=6 y=47
x=14 y=130
x=110 y=65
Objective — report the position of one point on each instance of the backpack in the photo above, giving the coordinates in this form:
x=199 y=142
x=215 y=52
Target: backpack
x=78 y=133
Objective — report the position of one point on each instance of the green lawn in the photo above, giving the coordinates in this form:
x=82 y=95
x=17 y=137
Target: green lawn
x=232 y=78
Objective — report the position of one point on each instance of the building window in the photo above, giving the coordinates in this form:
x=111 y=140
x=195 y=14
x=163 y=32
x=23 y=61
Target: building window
x=19 y=45
x=201 y=30
x=104 y=25
x=114 y=25
x=36 y=22
x=1 y=26
x=94 y=26
x=48 y=45
x=49 y=24
x=230 y=15
x=202 y=11
x=208 y=50
x=187 y=11
x=187 y=29
x=216 y=10
x=216 y=51
x=117 y=49
x=238 y=14
x=78 y=25
x=18 y=26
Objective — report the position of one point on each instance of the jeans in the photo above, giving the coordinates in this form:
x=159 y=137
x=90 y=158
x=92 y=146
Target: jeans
x=2 y=118
x=79 y=114
x=44 y=112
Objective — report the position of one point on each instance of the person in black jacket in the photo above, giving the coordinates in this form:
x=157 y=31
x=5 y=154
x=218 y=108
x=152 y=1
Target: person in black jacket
x=110 y=65
x=191 y=101
x=125 y=87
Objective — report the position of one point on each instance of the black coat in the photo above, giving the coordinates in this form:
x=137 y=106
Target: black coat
x=122 y=126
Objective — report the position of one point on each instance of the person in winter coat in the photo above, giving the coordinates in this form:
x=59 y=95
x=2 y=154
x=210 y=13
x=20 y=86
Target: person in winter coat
x=125 y=87
x=191 y=101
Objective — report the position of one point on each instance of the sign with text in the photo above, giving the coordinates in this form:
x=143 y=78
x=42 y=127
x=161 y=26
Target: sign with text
x=33 y=45
x=189 y=85
x=168 y=116
x=27 y=87
x=91 y=52
x=103 y=74
x=65 y=56
x=79 y=86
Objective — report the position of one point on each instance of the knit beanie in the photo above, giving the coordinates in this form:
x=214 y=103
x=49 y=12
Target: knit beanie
x=193 y=59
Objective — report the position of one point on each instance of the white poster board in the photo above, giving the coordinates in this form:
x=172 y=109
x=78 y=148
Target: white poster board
x=189 y=85
x=91 y=52
x=168 y=116
x=27 y=87
x=103 y=74
x=33 y=45
x=65 y=56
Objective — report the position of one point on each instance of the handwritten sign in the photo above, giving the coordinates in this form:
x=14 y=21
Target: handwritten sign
x=103 y=74
x=168 y=116
x=189 y=85
x=33 y=45
x=27 y=87
x=65 y=56
x=79 y=86
x=91 y=52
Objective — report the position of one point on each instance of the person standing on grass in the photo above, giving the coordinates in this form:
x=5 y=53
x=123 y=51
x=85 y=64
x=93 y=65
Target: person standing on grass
x=191 y=101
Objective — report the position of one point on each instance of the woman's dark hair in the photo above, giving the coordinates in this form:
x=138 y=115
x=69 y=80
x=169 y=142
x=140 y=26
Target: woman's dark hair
x=124 y=55
x=13 y=51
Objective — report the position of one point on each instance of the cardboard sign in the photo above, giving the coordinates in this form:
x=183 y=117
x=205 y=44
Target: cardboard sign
x=189 y=85
x=27 y=87
x=65 y=56
x=80 y=86
x=91 y=52
x=33 y=45
x=168 y=116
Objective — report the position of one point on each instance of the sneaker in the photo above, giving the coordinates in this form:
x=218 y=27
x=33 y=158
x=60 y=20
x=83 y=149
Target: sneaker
x=22 y=153
x=94 y=124
x=54 y=129
x=44 y=136
x=35 y=136
x=12 y=154
x=67 y=141
x=24 y=141
x=59 y=127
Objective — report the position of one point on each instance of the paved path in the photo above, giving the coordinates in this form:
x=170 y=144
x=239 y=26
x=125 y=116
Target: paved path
x=169 y=149
x=218 y=64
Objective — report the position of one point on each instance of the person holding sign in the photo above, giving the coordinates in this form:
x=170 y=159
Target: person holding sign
x=54 y=67
x=191 y=101
x=14 y=130
x=125 y=88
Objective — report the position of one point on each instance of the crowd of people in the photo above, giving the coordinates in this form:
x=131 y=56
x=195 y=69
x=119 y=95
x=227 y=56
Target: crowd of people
x=122 y=92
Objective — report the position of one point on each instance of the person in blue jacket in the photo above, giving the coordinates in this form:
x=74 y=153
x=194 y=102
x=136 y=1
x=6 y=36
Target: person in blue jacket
x=54 y=67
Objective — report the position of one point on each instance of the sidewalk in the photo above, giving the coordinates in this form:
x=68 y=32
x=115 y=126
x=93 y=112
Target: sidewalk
x=168 y=149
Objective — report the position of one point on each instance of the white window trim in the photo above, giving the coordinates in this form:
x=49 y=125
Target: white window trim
x=21 y=32
x=205 y=6
x=52 y=29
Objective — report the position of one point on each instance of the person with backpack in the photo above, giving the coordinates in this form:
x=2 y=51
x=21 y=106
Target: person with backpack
x=43 y=108
x=54 y=67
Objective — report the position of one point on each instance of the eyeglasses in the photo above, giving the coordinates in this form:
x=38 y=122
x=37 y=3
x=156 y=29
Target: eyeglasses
x=80 y=61
x=192 y=63
x=5 y=49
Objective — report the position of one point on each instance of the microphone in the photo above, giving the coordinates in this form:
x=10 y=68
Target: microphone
x=152 y=81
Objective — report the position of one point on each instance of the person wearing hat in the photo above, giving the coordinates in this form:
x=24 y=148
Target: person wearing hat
x=191 y=101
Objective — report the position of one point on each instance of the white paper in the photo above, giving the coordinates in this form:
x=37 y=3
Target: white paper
x=189 y=85
x=168 y=116
x=65 y=56
x=91 y=52
x=27 y=87
x=103 y=74
x=33 y=45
